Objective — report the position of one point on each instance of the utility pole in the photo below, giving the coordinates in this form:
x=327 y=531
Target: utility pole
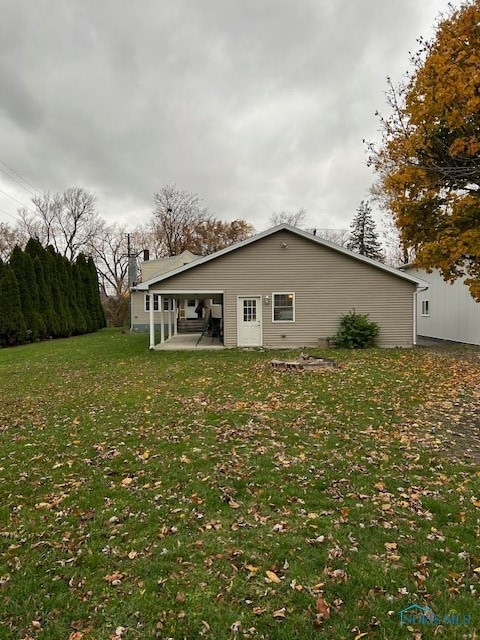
x=132 y=264
x=132 y=276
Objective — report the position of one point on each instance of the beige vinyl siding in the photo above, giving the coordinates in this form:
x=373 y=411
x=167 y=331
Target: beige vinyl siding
x=326 y=285
x=141 y=317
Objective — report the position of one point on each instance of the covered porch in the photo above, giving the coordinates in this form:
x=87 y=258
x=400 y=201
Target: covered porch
x=189 y=342
x=166 y=308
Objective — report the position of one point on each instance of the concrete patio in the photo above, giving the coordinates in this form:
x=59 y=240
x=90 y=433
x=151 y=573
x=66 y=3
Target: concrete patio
x=188 y=342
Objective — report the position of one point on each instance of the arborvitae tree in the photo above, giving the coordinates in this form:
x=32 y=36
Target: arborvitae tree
x=12 y=324
x=44 y=276
x=76 y=307
x=22 y=266
x=57 y=298
x=363 y=237
x=61 y=277
x=85 y=287
x=97 y=307
x=83 y=324
x=54 y=281
x=46 y=306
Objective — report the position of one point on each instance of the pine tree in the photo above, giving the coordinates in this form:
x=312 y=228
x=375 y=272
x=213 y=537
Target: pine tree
x=12 y=324
x=363 y=236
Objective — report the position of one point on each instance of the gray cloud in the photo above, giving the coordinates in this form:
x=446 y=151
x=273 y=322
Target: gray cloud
x=257 y=105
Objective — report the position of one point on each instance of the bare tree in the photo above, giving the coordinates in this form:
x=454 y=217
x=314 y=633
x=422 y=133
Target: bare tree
x=396 y=252
x=9 y=237
x=336 y=236
x=109 y=251
x=67 y=221
x=293 y=218
x=177 y=214
x=147 y=236
x=41 y=223
x=78 y=221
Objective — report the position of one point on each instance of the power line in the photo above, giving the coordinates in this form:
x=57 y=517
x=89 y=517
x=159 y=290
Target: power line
x=17 y=181
x=12 y=198
x=9 y=214
x=21 y=177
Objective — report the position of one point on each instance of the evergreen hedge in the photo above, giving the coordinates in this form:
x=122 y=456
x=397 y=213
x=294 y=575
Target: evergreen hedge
x=44 y=295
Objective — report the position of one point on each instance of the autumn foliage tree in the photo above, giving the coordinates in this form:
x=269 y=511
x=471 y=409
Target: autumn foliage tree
x=429 y=160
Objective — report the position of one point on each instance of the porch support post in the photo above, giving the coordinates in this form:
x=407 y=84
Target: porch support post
x=175 y=324
x=151 y=318
x=170 y=318
x=162 y=319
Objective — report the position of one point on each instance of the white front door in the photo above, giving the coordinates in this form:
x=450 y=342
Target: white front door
x=249 y=321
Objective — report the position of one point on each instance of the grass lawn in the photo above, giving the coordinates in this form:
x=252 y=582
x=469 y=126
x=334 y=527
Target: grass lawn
x=205 y=495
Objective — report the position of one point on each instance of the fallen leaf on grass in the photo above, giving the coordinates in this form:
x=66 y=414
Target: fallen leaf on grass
x=251 y=568
x=281 y=613
x=115 y=578
x=322 y=607
x=272 y=577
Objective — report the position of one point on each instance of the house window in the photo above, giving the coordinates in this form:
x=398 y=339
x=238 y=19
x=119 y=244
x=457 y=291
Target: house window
x=283 y=309
x=192 y=303
x=249 y=310
x=425 y=307
x=156 y=296
x=217 y=300
x=166 y=304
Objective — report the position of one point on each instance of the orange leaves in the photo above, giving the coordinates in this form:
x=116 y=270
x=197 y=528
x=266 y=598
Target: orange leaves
x=322 y=608
x=428 y=162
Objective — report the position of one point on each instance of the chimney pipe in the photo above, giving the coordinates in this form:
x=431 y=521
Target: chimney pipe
x=146 y=255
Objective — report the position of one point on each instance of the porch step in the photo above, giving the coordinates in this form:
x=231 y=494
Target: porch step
x=192 y=325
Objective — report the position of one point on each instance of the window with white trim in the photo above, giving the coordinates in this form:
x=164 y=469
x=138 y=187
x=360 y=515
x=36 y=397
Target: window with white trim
x=283 y=307
x=425 y=308
x=156 y=297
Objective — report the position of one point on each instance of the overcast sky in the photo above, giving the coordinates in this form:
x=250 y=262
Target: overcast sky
x=256 y=105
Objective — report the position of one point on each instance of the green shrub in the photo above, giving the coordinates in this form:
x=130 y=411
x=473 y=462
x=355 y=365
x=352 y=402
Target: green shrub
x=355 y=332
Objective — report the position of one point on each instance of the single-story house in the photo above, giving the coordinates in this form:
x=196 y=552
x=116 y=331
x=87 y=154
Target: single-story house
x=446 y=311
x=283 y=288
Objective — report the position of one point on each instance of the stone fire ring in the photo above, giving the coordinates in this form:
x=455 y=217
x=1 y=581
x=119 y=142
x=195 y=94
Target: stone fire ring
x=303 y=363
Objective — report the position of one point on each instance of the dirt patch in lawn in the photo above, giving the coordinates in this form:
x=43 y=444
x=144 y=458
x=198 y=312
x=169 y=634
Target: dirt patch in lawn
x=456 y=423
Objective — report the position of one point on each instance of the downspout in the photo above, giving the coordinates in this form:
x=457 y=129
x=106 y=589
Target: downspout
x=417 y=291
